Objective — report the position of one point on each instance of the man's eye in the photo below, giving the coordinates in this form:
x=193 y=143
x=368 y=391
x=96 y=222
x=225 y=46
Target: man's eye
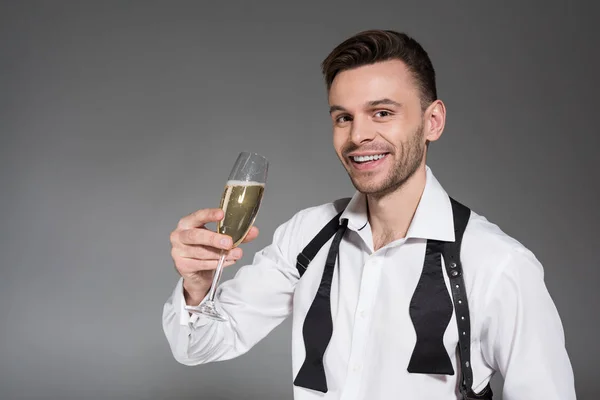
x=342 y=119
x=383 y=114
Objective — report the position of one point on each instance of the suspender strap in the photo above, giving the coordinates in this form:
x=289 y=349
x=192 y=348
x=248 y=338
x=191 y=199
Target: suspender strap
x=313 y=247
x=451 y=254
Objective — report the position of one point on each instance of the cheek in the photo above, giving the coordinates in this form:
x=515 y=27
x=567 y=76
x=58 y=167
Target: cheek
x=395 y=132
x=339 y=139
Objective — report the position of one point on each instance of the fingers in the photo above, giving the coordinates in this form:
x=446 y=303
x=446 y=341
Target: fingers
x=196 y=250
x=200 y=218
x=252 y=234
x=205 y=253
x=189 y=268
x=201 y=236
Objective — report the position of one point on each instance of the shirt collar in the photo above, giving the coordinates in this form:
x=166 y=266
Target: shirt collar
x=432 y=219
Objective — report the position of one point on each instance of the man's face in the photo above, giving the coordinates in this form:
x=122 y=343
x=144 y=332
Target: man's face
x=378 y=125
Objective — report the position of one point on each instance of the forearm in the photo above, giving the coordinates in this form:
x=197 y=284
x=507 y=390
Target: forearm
x=254 y=302
x=195 y=340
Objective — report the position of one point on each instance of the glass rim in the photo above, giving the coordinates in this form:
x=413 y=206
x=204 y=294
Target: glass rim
x=253 y=154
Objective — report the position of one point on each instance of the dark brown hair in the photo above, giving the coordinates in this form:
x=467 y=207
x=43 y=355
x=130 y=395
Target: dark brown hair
x=372 y=46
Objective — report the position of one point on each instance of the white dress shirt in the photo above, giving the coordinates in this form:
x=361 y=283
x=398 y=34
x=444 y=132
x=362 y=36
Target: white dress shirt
x=515 y=327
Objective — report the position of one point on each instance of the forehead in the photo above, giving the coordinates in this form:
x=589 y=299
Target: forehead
x=388 y=79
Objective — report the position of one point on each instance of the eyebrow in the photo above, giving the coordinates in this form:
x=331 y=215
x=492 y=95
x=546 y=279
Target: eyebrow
x=373 y=103
x=385 y=101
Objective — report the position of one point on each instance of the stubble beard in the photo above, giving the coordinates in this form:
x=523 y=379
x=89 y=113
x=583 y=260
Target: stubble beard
x=410 y=155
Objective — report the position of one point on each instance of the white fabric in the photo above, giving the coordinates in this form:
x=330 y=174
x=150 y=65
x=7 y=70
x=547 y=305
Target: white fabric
x=515 y=327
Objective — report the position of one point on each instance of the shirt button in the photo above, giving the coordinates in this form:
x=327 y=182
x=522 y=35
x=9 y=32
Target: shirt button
x=356 y=368
x=362 y=313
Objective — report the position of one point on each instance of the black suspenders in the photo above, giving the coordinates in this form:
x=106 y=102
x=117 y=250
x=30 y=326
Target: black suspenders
x=452 y=261
x=451 y=254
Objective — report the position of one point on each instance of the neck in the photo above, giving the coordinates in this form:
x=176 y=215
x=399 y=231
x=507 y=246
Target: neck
x=390 y=215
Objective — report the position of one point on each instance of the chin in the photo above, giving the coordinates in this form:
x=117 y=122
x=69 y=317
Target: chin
x=379 y=186
x=369 y=186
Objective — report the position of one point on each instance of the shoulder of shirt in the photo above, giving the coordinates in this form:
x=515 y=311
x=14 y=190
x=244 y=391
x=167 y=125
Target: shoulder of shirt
x=330 y=209
x=487 y=248
x=316 y=217
x=306 y=223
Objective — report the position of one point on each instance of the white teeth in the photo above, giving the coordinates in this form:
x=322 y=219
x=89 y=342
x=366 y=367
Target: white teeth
x=368 y=158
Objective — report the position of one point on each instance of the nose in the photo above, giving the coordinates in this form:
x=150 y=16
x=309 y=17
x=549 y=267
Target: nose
x=361 y=131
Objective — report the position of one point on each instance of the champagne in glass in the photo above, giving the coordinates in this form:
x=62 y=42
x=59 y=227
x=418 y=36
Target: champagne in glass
x=240 y=202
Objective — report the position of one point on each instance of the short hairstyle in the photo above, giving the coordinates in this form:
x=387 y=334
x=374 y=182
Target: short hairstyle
x=372 y=46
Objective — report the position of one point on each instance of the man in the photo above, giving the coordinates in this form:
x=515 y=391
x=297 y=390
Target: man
x=365 y=309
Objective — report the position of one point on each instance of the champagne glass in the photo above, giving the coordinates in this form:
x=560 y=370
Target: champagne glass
x=240 y=203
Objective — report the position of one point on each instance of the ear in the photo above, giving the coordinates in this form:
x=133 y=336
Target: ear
x=435 y=119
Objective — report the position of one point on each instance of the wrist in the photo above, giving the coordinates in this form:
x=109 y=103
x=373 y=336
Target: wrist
x=194 y=294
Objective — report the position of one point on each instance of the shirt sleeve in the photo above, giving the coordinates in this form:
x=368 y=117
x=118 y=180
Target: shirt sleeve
x=522 y=334
x=255 y=301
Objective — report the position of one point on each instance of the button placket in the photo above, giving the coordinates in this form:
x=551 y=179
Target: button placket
x=360 y=332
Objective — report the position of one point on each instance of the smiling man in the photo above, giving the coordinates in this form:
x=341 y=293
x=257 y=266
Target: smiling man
x=400 y=291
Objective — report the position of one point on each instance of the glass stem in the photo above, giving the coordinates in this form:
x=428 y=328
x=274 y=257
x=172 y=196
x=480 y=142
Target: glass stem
x=216 y=276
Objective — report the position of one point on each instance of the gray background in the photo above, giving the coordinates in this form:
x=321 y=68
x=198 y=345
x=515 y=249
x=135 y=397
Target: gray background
x=118 y=118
